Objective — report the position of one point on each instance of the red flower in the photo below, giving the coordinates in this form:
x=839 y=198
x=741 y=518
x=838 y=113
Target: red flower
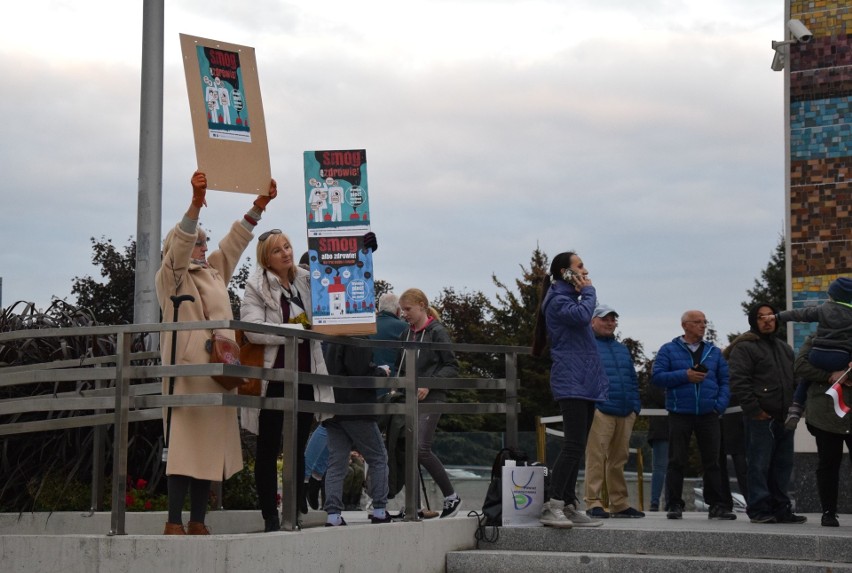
x=129 y=500
x=148 y=505
x=141 y=483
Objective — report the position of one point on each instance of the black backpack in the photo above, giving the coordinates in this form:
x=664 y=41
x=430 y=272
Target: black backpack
x=492 y=507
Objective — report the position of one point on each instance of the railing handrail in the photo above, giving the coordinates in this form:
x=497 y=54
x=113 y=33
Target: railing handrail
x=138 y=402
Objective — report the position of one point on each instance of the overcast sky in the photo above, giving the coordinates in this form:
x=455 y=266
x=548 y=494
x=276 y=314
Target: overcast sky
x=647 y=136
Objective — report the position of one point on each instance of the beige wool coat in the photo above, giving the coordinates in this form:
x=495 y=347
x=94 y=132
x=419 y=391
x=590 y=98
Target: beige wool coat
x=205 y=441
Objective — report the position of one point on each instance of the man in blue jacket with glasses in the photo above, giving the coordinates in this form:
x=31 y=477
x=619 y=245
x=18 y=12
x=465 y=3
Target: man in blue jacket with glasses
x=695 y=377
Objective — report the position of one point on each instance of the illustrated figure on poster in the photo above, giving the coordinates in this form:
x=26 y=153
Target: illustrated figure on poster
x=318 y=200
x=335 y=197
x=224 y=100
x=212 y=98
x=337 y=298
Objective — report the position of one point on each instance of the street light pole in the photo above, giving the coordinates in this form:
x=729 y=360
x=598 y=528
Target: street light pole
x=146 y=309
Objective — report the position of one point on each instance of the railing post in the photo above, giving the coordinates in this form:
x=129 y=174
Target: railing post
x=119 y=457
x=98 y=442
x=412 y=474
x=512 y=399
x=289 y=429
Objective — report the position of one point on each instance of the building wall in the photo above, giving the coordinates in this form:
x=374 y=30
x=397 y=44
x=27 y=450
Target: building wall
x=820 y=152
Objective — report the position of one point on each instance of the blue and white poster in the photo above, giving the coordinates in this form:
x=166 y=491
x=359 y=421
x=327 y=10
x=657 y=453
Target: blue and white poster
x=336 y=192
x=224 y=98
x=337 y=210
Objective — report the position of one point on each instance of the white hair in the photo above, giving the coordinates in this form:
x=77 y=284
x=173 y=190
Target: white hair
x=389 y=302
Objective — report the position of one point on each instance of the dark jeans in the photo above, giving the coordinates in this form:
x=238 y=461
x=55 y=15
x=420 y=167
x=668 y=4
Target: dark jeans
x=769 y=447
x=269 y=435
x=708 y=435
x=577 y=417
x=829 y=456
x=659 y=462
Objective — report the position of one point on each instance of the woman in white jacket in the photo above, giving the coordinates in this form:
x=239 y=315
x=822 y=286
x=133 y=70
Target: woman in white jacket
x=278 y=293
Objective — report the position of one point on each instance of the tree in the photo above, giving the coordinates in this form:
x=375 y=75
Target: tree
x=381 y=287
x=515 y=317
x=771 y=287
x=111 y=302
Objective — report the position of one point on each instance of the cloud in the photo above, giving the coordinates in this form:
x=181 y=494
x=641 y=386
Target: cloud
x=648 y=137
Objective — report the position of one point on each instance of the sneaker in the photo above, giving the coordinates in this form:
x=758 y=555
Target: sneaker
x=655 y=507
x=386 y=519
x=829 y=519
x=552 y=514
x=597 y=513
x=342 y=523
x=451 y=506
x=629 y=512
x=794 y=414
x=579 y=519
x=792 y=518
x=718 y=512
x=675 y=513
x=763 y=519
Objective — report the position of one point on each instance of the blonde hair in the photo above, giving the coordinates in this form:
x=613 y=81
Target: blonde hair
x=417 y=296
x=264 y=248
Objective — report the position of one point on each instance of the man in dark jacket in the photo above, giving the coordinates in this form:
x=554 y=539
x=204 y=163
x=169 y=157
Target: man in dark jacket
x=761 y=367
x=388 y=327
x=608 y=445
x=695 y=377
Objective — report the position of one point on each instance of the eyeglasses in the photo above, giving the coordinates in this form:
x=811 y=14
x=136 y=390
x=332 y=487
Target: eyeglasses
x=201 y=242
x=267 y=234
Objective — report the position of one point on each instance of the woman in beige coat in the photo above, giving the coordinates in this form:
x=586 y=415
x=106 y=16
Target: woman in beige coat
x=204 y=442
x=279 y=293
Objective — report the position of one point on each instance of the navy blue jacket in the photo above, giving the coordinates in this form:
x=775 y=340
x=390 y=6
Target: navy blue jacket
x=577 y=372
x=682 y=396
x=623 y=395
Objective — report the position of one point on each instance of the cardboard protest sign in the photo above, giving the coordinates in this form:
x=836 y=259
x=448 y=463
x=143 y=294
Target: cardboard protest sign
x=337 y=212
x=227 y=115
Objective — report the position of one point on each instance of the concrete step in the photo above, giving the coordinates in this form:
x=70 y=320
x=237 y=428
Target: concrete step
x=658 y=544
x=492 y=561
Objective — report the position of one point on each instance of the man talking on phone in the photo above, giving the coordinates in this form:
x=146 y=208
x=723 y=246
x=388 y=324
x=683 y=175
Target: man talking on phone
x=695 y=377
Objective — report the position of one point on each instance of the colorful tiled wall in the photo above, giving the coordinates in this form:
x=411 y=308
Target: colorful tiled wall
x=820 y=152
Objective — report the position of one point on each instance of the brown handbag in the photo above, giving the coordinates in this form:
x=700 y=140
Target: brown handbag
x=251 y=354
x=223 y=349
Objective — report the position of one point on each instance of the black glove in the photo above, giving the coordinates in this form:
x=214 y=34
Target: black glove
x=370 y=241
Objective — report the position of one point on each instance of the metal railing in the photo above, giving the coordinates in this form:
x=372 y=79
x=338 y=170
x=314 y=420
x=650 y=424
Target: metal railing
x=542 y=431
x=115 y=401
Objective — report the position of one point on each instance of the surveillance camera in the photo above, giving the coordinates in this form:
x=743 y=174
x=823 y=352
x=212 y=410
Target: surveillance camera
x=799 y=31
x=777 y=61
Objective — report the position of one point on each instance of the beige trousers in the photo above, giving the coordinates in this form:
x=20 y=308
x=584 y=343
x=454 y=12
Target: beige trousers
x=606 y=455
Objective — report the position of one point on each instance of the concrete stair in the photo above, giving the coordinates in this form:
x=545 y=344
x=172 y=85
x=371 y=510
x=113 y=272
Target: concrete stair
x=656 y=544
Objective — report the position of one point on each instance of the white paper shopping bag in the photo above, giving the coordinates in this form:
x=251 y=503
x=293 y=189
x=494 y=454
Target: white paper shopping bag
x=523 y=495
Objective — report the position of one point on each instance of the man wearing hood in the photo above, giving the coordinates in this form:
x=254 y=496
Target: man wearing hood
x=761 y=369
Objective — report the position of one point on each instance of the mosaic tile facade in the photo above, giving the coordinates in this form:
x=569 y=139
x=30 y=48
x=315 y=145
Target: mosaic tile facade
x=820 y=152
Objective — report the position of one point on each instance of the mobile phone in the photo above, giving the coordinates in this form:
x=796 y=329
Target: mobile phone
x=699 y=368
x=569 y=276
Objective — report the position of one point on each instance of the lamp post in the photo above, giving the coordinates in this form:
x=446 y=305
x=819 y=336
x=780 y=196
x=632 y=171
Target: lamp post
x=146 y=309
x=794 y=32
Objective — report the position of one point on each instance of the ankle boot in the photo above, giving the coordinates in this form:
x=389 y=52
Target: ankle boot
x=197 y=528
x=174 y=529
x=271 y=524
